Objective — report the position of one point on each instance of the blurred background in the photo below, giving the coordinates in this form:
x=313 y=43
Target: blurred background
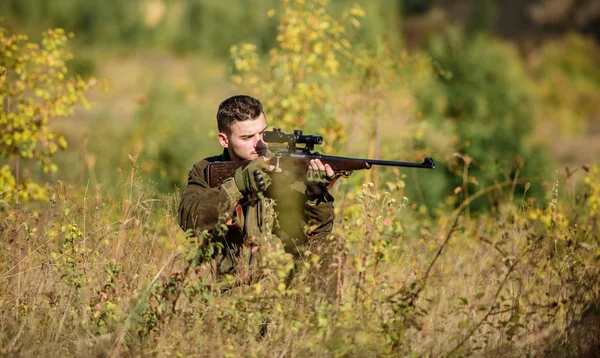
x=511 y=86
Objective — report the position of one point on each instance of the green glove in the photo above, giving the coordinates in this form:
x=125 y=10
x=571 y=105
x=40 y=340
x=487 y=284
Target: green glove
x=317 y=177
x=254 y=177
x=316 y=182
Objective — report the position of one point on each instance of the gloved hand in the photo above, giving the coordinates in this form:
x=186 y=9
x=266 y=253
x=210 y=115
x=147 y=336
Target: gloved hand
x=318 y=177
x=254 y=177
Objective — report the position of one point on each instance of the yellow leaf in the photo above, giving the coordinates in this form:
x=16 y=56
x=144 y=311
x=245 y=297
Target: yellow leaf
x=324 y=25
x=318 y=48
x=357 y=11
x=281 y=287
x=62 y=142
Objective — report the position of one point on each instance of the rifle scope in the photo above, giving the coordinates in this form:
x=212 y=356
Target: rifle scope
x=277 y=136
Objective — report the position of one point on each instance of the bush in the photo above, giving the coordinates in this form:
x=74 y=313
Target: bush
x=34 y=90
x=567 y=80
x=169 y=133
x=480 y=100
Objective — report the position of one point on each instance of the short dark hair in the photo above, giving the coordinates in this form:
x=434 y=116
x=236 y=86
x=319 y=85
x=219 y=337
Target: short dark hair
x=237 y=108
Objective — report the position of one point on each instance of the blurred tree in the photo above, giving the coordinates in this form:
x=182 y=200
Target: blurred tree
x=206 y=26
x=382 y=23
x=201 y=24
x=167 y=131
x=109 y=22
x=416 y=7
x=295 y=83
x=568 y=82
x=374 y=74
x=34 y=89
x=183 y=25
x=484 y=105
x=582 y=15
x=482 y=18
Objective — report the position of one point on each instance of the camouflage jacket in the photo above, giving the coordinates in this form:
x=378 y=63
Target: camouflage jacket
x=295 y=220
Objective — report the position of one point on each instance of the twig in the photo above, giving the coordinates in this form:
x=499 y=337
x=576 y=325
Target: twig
x=437 y=255
x=489 y=312
x=62 y=321
x=126 y=212
x=456 y=214
x=121 y=335
x=64 y=193
x=4 y=275
x=84 y=216
x=446 y=240
x=21 y=329
x=338 y=288
x=24 y=258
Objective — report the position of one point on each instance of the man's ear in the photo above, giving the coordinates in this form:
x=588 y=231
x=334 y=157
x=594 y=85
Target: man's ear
x=223 y=140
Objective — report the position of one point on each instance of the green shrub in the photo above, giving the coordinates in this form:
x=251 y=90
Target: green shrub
x=35 y=89
x=567 y=80
x=169 y=133
x=480 y=99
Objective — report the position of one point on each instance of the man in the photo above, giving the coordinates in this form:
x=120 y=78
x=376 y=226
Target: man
x=304 y=213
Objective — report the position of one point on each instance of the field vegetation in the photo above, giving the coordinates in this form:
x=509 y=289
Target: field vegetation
x=495 y=252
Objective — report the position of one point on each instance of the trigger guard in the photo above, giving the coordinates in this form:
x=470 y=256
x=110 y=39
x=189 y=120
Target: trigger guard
x=337 y=175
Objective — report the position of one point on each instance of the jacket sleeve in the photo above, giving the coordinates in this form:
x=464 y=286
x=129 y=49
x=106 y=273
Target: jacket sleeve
x=201 y=206
x=319 y=214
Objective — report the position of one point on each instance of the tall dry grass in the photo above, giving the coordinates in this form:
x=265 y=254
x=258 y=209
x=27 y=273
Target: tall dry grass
x=88 y=274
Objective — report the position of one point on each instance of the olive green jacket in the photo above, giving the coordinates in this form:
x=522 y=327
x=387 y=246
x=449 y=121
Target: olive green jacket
x=286 y=215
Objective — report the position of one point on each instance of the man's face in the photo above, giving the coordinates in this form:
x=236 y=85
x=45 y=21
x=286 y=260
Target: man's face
x=245 y=140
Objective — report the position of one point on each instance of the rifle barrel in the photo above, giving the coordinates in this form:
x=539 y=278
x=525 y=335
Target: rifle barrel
x=428 y=163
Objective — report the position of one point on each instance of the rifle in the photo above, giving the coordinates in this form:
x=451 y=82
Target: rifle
x=295 y=158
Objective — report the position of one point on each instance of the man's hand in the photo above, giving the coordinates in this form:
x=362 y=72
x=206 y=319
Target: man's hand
x=318 y=177
x=254 y=177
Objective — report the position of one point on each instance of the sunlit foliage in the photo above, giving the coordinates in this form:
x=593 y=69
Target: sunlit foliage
x=103 y=269
x=296 y=84
x=480 y=97
x=34 y=89
x=568 y=82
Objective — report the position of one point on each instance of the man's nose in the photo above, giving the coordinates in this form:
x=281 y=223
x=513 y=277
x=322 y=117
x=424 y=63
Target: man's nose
x=258 y=141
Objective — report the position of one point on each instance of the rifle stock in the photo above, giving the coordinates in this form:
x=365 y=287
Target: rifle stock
x=218 y=172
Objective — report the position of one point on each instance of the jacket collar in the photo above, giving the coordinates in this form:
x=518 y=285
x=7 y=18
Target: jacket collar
x=226 y=157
